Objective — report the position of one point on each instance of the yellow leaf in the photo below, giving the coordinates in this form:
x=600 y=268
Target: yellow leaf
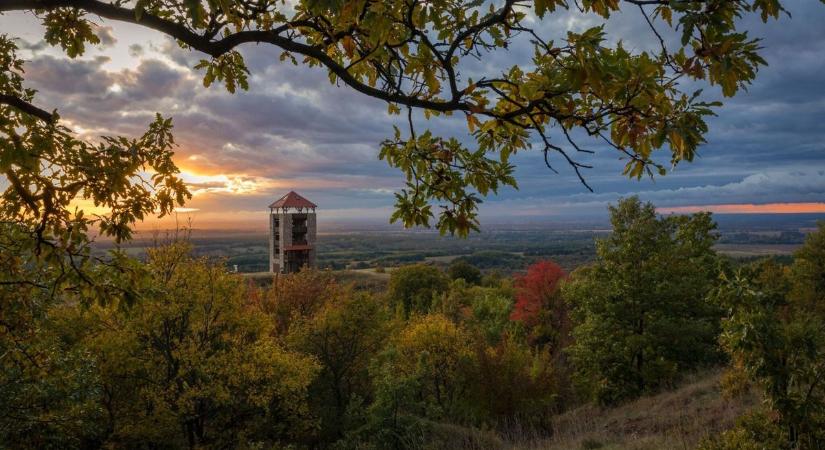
x=349 y=46
x=666 y=14
x=472 y=122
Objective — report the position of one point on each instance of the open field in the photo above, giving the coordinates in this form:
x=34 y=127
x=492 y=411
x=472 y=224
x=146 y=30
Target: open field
x=751 y=250
x=505 y=250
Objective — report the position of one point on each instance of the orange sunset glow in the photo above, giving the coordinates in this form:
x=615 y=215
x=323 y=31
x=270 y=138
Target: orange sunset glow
x=750 y=208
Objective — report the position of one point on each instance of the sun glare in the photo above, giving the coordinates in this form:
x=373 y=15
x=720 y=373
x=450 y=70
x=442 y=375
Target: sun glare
x=224 y=183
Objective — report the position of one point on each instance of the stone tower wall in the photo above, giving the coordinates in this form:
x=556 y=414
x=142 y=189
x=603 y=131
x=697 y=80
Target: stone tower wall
x=277 y=256
x=292 y=221
x=272 y=267
x=312 y=234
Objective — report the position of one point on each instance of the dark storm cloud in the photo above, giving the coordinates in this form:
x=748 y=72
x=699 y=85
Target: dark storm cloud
x=293 y=122
x=321 y=120
x=764 y=146
x=71 y=77
x=153 y=80
x=90 y=88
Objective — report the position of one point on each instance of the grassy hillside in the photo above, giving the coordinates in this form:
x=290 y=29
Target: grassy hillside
x=672 y=420
x=676 y=419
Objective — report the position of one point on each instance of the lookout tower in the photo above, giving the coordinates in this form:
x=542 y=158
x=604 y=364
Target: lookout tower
x=292 y=233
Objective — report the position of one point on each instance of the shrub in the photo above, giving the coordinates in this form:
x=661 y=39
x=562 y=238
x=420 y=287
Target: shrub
x=413 y=287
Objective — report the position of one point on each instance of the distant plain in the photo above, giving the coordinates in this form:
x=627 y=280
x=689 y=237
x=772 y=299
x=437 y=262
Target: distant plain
x=503 y=248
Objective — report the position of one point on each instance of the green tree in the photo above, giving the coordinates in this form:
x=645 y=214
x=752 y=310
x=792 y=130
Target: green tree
x=193 y=363
x=640 y=312
x=486 y=308
x=411 y=55
x=464 y=270
x=454 y=303
x=775 y=338
x=46 y=171
x=344 y=336
x=413 y=287
x=298 y=296
x=431 y=366
x=49 y=394
x=809 y=273
x=516 y=382
x=491 y=313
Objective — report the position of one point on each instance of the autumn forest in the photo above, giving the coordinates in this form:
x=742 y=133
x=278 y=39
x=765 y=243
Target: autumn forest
x=177 y=352
x=441 y=115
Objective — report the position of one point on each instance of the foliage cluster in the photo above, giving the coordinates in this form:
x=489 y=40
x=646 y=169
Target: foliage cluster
x=640 y=310
x=775 y=337
x=176 y=352
x=200 y=358
x=188 y=355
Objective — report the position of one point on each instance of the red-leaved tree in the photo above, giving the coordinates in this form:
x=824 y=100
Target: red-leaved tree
x=536 y=290
x=546 y=318
x=539 y=304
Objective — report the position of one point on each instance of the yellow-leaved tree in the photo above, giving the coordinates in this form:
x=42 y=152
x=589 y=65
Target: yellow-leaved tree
x=193 y=364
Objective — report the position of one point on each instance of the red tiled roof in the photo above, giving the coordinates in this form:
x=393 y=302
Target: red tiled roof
x=298 y=247
x=293 y=200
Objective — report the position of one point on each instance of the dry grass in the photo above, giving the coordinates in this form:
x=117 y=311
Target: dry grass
x=676 y=419
x=672 y=420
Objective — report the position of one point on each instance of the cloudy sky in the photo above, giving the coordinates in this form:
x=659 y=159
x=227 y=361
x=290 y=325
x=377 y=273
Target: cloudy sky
x=295 y=130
